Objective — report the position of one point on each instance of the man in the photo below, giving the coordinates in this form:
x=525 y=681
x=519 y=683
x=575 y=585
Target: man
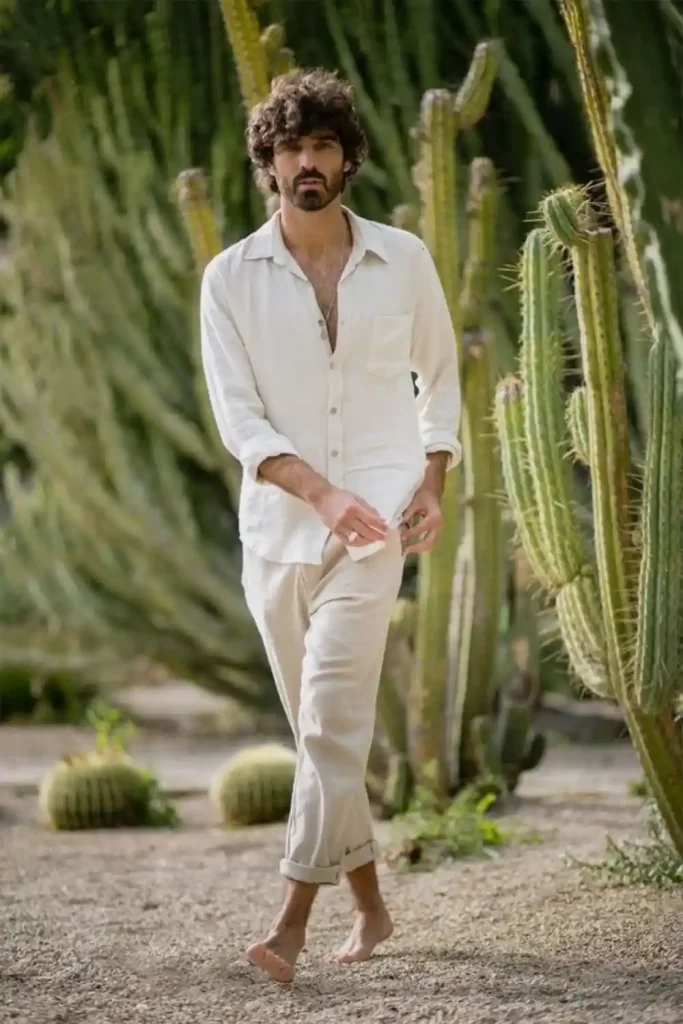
x=310 y=328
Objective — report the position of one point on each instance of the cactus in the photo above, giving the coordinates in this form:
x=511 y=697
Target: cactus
x=632 y=95
x=95 y=791
x=503 y=743
x=577 y=424
x=255 y=786
x=200 y=224
x=441 y=115
x=622 y=639
x=251 y=55
x=103 y=788
x=260 y=55
x=478 y=583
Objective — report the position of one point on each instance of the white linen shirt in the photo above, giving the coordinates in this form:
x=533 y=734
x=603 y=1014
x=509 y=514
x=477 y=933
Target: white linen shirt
x=276 y=387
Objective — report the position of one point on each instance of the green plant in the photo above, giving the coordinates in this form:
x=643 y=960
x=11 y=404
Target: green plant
x=618 y=613
x=653 y=861
x=255 y=786
x=428 y=833
x=104 y=788
x=126 y=525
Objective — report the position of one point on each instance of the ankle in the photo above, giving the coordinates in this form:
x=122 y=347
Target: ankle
x=290 y=926
x=371 y=907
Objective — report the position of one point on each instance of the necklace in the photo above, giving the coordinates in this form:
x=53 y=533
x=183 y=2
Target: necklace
x=326 y=315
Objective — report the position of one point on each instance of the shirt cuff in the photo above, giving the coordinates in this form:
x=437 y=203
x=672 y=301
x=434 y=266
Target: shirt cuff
x=452 y=448
x=255 y=451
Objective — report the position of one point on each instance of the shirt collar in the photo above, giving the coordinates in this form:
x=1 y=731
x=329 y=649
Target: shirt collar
x=267 y=241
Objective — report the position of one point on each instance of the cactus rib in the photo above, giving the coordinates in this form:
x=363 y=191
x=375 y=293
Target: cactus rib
x=509 y=410
x=542 y=366
x=577 y=424
x=659 y=592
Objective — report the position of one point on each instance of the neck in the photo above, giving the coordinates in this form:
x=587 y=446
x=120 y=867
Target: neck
x=313 y=233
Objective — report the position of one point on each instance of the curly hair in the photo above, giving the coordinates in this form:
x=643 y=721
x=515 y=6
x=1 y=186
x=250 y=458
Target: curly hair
x=300 y=102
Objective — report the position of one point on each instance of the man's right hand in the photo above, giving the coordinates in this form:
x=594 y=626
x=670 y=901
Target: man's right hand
x=349 y=517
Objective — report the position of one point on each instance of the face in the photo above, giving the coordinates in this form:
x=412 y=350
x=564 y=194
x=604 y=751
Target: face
x=310 y=170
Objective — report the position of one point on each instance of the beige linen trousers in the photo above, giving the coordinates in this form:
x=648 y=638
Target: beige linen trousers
x=324 y=628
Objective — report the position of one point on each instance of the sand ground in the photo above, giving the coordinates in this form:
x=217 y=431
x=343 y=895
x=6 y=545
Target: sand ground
x=149 y=927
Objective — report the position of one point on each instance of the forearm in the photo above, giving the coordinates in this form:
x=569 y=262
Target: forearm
x=296 y=477
x=435 y=473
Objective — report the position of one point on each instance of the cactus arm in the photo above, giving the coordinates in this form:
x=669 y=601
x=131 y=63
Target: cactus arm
x=477 y=586
x=542 y=369
x=595 y=282
x=435 y=178
x=632 y=98
x=659 y=591
x=577 y=424
x=474 y=94
x=200 y=223
x=519 y=485
x=579 y=616
x=243 y=32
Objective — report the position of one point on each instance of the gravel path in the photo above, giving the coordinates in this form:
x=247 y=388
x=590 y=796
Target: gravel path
x=150 y=928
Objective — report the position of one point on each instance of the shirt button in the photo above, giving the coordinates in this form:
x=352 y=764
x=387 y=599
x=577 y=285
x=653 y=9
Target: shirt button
x=334 y=453
x=333 y=410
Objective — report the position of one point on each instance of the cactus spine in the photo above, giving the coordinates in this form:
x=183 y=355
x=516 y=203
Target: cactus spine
x=632 y=618
x=440 y=117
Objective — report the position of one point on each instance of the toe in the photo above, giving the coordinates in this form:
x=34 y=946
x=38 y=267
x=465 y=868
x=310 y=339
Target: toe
x=275 y=966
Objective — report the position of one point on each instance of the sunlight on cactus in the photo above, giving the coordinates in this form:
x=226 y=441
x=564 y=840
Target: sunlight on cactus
x=619 y=618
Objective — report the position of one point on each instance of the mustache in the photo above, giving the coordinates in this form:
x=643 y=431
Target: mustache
x=310 y=175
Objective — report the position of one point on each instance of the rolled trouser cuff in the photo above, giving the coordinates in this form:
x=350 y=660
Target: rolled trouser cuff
x=360 y=856
x=313 y=875
x=331 y=875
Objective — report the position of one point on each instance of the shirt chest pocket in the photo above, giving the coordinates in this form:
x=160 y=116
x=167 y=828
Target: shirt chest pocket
x=390 y=344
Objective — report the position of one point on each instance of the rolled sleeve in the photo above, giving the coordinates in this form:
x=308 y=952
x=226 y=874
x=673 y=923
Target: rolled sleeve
x=233 y=394
x=435 y=360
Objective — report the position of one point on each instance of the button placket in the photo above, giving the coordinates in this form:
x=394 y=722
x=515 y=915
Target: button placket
x=335 y=439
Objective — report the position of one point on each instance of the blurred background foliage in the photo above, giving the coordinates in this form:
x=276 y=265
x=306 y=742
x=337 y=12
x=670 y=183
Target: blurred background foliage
x=119 y=530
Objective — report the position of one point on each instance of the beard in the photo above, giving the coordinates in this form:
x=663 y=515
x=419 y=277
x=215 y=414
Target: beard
x=316 y=197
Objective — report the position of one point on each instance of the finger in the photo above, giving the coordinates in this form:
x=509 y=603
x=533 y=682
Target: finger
x=369 y=520
x=427 y=525
x=366 y=505
x=411 y=511
x=420 y=546
x=365 y=530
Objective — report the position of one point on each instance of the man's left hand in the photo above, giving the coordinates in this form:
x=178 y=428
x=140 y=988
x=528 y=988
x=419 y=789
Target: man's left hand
x=426 y=508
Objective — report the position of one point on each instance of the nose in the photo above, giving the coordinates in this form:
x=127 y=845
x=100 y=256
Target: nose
x=307 y=159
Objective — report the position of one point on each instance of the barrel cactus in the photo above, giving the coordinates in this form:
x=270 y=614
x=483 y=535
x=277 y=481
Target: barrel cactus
x=619 y=610
x=255 y=786
x=97 y=790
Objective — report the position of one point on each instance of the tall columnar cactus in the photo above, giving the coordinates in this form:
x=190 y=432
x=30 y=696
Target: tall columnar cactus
x=441 y=117
x=631 y=83
x=477 y=587
x=619 y=620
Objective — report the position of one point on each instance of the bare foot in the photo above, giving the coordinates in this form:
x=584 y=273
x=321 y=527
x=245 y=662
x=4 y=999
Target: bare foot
x=370 y=929
x=277 y=955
